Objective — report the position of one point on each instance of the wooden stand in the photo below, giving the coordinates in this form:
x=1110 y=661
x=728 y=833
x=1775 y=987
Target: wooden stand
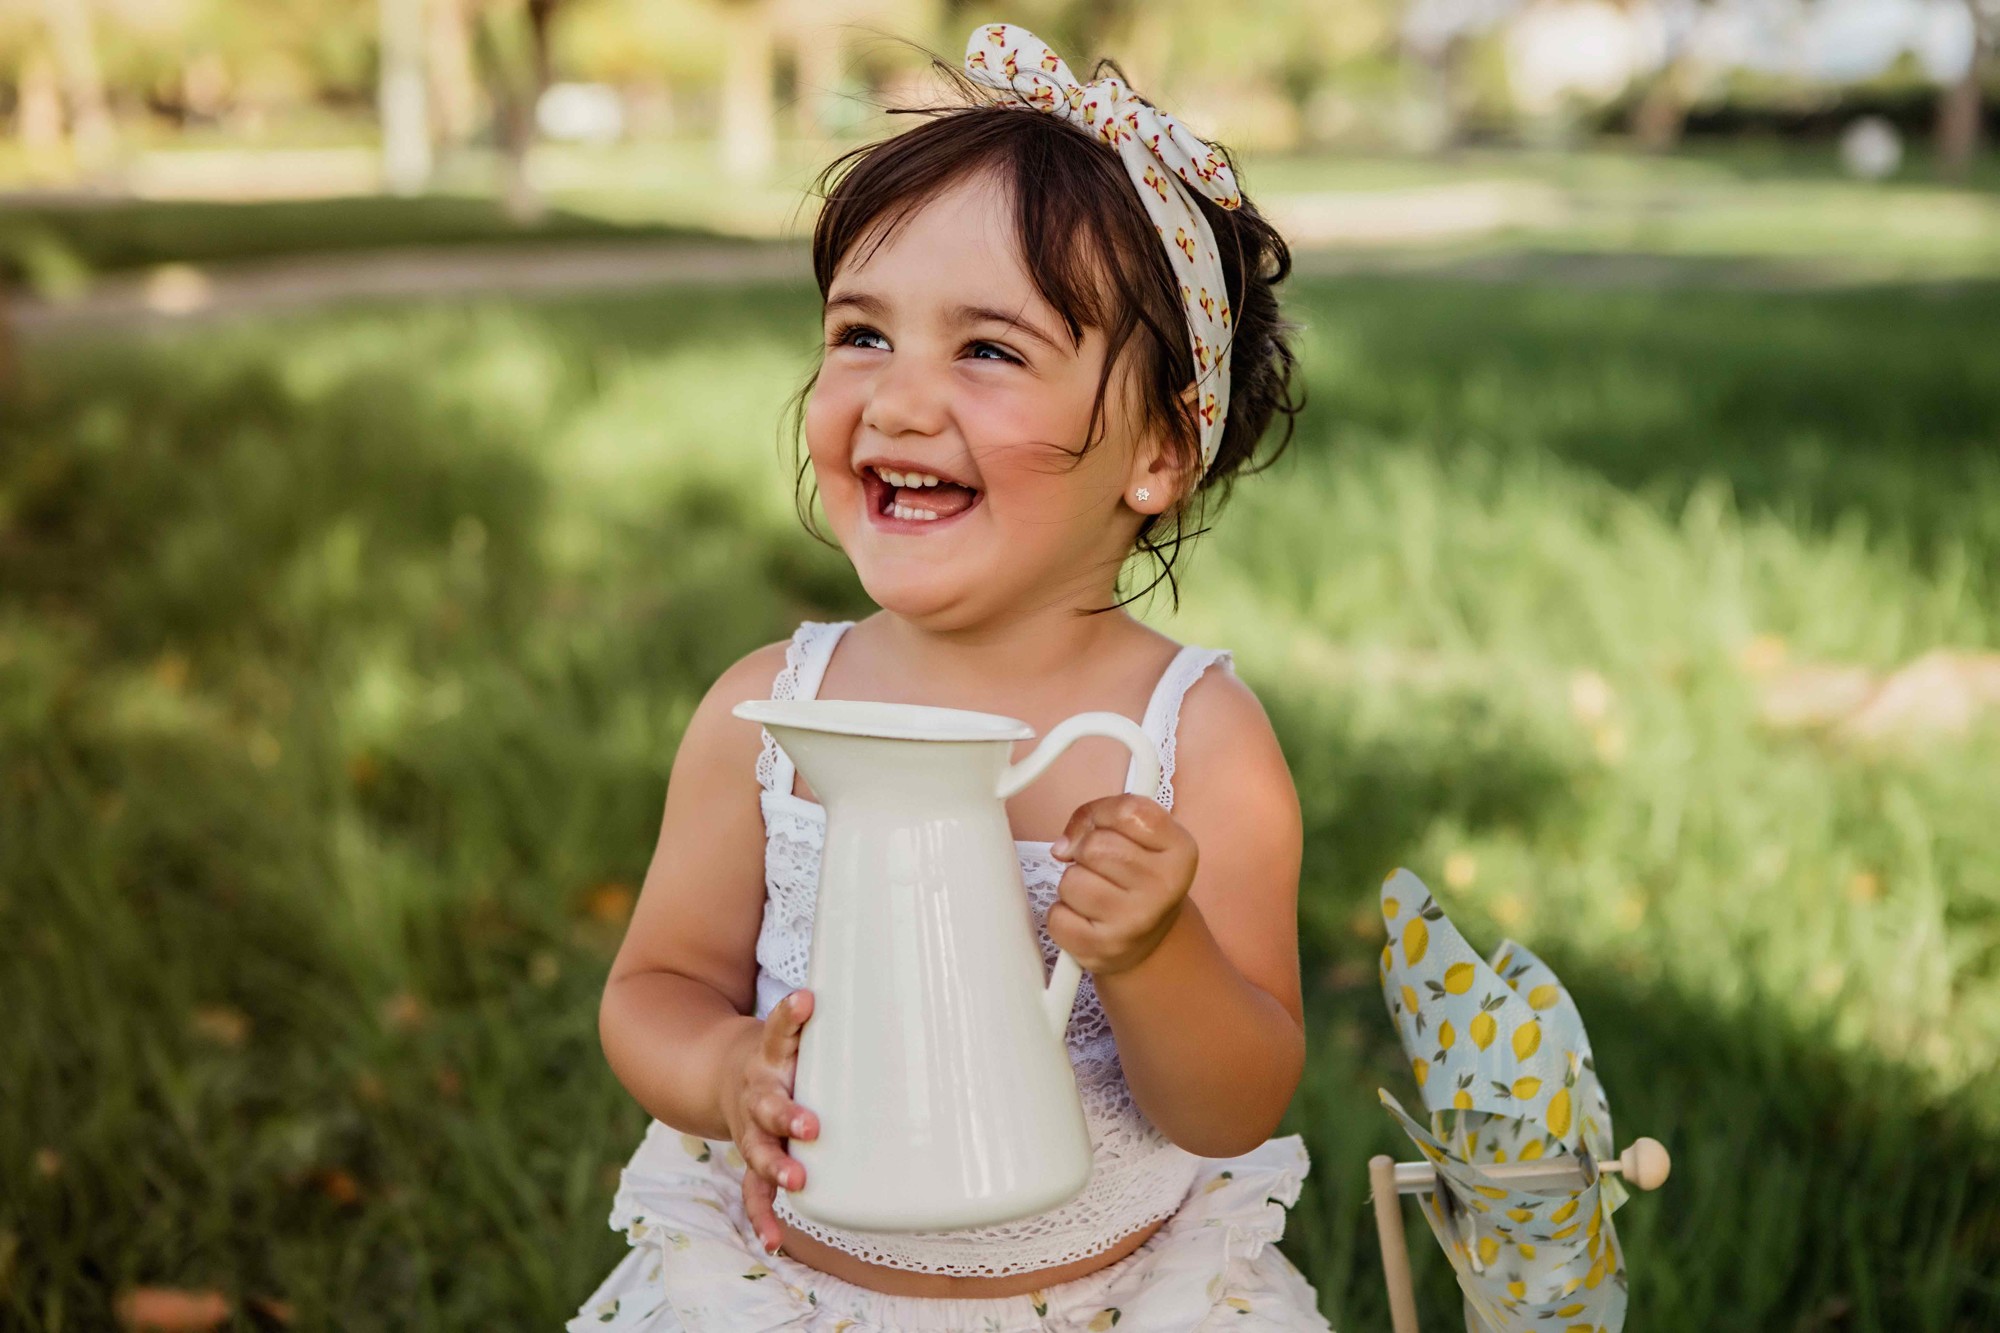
x=1645 y=1165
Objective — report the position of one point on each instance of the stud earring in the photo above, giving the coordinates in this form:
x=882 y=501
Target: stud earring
x=1142 y=494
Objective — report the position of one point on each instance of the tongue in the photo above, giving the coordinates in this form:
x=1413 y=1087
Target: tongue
x=944 y=499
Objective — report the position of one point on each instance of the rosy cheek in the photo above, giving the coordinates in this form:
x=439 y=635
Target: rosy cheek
x=1003 y=404
x=1025 y=437
x=1027 y=481
x=833 y=412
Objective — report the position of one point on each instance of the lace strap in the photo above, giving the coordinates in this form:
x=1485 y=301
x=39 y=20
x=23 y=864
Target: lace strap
x=1163 y=712
x=806 y=657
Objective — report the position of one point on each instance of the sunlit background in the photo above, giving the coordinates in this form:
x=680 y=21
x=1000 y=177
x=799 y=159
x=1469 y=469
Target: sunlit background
x=391 y=456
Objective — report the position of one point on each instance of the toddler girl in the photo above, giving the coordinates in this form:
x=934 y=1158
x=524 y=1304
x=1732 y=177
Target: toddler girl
x=1035 y=306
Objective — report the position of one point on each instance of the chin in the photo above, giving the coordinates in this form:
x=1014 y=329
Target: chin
x=936 y=594
x=924 y=599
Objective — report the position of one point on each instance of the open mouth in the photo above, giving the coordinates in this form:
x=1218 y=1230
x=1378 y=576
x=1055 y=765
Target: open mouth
x=902 y=500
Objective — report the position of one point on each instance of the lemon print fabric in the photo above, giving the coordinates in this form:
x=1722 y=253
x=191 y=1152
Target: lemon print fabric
x=1504 y=1069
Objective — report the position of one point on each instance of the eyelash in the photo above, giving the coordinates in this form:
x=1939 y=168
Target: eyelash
x=845 y=332
x=844 y=335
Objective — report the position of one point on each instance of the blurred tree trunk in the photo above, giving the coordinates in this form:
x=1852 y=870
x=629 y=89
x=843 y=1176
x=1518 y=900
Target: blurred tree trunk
x=1082 y=30
x=1442 y=81
x=1106 y=24
x=402 y=99
x=1093 y=28
x=91 y=128
x=1959 y=108
x=541 y=17
x=454 y=84
x=817 y=50
x=38 y=109
x=9 y=366
x=1661 y=115
x=748 y=138
x=518 y=64
x=1150 y=43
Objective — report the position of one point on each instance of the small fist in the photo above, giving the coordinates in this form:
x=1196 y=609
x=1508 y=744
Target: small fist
x=1131 y=866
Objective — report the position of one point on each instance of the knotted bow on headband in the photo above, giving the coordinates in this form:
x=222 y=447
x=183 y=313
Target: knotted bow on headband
x=1165 y=161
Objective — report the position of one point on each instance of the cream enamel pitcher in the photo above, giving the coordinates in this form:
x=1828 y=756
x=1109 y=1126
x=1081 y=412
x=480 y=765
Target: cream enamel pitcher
x=934 y=1057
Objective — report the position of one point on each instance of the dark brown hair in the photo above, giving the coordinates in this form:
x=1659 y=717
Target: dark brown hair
x=1093 y=254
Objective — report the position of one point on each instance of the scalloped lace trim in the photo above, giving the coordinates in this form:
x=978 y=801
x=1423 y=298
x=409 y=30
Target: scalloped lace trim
x=785 y=685
x=1182 y=673
x=695 y=1255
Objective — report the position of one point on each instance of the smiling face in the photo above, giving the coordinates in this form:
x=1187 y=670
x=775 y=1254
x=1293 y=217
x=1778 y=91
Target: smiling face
x=943 y=361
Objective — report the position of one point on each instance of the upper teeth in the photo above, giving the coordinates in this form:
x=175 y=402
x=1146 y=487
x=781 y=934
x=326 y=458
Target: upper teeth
x=907 y=478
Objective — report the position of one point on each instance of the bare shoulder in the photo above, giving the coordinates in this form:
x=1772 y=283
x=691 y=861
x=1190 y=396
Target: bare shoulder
x=715 y=732
x=1227 y=755
x=1234 y=794
x=700 y=907
x=750 y=676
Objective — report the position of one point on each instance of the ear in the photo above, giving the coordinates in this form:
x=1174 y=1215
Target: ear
x=1155 y=470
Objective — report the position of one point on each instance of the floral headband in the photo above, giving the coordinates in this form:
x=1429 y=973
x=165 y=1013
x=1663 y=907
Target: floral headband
x=1165 y=162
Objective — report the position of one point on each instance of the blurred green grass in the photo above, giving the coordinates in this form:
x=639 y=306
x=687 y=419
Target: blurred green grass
x=1767 y=203
x=55 y=249
x=342 y=661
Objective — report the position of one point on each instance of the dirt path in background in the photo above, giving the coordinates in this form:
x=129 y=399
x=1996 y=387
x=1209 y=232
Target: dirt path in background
x=179 y=294
x=172 y=295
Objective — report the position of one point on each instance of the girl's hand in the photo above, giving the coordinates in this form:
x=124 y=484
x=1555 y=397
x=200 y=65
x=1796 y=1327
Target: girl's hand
x=758 y=1105
x=1131 y=866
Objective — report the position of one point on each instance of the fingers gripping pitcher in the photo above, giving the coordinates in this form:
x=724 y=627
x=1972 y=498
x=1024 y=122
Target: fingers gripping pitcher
x=934 y=1058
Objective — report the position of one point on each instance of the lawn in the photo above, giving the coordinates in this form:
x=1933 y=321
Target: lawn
x=1768 y=205
x=343 y=658
x=56 y=249
x=1771 y=206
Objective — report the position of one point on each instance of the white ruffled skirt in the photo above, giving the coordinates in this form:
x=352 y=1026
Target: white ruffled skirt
x=696 y=1265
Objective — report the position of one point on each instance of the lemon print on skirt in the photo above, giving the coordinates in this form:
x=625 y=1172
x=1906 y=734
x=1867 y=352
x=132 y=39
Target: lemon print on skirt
x=1504 y=1069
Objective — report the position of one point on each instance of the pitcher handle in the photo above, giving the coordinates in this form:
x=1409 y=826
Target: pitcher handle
x=1064 y=978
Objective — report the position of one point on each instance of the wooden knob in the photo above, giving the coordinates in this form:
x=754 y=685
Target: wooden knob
x=1645 y=1164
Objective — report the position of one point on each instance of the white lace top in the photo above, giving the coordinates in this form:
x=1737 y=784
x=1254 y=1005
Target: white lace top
x=1138 y=1175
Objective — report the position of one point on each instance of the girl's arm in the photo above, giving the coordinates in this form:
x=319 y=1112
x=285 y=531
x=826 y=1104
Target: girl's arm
x=1211 y=1026
x=678 y=1006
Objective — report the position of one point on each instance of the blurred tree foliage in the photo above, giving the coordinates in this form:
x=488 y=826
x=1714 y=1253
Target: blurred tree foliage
x=254 y=65
x=1261 y=75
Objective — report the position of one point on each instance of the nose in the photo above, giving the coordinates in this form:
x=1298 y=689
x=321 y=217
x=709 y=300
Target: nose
x=906 y=397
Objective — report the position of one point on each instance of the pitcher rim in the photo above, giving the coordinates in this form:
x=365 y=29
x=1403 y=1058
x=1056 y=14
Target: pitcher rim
x=884 y=720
